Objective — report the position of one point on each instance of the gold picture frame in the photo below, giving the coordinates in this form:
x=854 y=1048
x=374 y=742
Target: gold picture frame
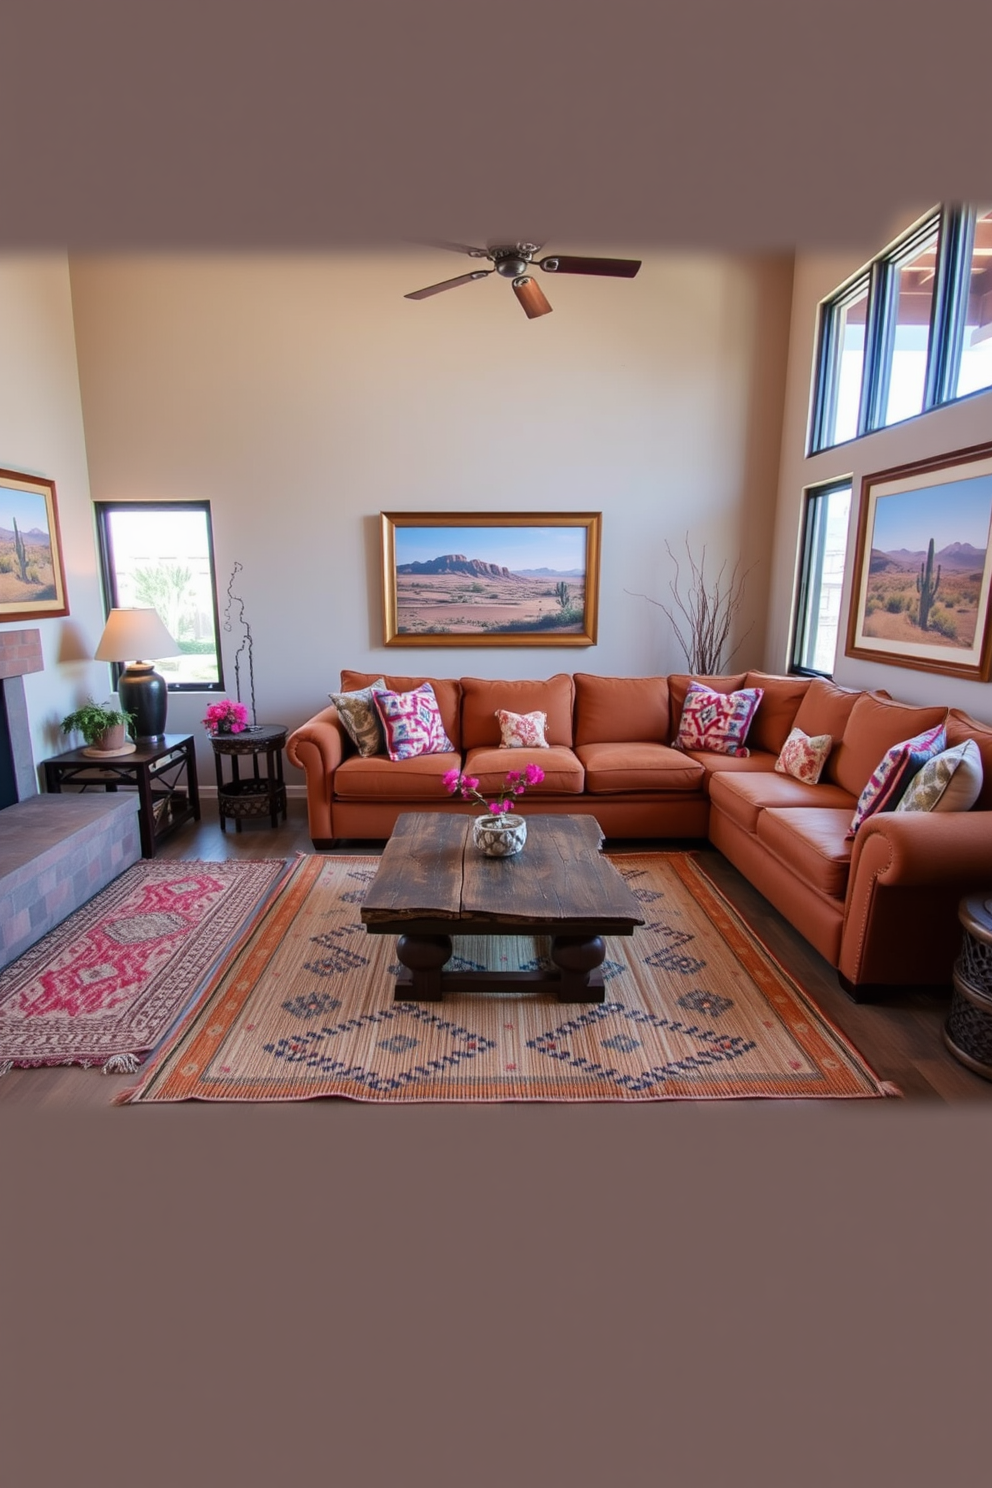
x=32 y=576
x=923 y=566
x=490 y=578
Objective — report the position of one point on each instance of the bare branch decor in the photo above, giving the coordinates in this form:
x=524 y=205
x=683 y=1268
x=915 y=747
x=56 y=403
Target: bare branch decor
x=246 y=641
x=707 y=611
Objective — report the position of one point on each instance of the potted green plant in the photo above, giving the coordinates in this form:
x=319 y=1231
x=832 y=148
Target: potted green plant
x=103 y=728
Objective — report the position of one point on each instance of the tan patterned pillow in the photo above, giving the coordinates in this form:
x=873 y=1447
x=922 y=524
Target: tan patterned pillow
x=951 y=781
x=804 y=756
x=359 y=718
x=522 y=730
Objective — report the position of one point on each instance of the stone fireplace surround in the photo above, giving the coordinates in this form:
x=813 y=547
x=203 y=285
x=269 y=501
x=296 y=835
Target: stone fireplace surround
x=56 y=851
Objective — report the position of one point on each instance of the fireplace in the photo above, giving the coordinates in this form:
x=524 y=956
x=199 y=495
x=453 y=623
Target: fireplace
x=20 y=653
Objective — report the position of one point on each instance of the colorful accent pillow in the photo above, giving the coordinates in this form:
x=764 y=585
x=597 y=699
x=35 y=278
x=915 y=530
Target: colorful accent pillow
x=717 y=721
x=894 y=772
x=522 y=730
x=804 y=757
x=359 y=718
x=951 y=781
x=411 y=722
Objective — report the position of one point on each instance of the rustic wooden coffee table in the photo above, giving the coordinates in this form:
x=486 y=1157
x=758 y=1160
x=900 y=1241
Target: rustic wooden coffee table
x=432 y=883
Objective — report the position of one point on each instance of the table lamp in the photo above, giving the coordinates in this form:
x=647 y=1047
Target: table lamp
x=142 y=691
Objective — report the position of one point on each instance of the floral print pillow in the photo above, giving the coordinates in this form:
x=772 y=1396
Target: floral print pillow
x=522 y=730
x=803 y=756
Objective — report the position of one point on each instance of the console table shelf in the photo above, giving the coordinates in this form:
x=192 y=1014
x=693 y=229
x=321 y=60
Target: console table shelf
x=162 y=771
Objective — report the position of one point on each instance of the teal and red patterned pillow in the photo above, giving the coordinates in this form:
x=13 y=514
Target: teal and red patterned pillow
x=717 y=721
x=895 y=771
x=411 y=722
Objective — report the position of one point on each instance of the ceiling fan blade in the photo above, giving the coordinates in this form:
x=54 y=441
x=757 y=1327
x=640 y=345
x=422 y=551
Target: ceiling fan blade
x=456 y=247
x=619 y=268
x=531 y=296
x=433 y=289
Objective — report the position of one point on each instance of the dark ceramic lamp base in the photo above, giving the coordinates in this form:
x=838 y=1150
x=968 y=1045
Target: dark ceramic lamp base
x=144 y=693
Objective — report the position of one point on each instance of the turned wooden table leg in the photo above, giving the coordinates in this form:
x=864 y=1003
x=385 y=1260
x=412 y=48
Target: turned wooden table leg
x=423 y=956
x=578 y=958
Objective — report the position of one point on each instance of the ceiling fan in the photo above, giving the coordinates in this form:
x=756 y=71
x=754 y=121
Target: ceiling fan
x=516 y=260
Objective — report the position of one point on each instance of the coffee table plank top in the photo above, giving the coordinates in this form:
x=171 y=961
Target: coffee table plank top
x=431 y=871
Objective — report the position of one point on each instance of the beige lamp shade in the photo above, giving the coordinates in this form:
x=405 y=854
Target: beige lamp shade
x=130 y=635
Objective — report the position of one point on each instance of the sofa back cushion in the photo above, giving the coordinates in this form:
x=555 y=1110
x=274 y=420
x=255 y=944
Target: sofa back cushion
x=447 y=691
x=780 y=699
x=875 y=724
x=678 y=686
x=961 y=726
x=481 y=696
x=825 y=709
x=620 y=710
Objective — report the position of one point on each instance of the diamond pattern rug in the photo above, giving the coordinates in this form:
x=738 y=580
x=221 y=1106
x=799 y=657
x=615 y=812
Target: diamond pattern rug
x=107 y=984
x=695 y=1008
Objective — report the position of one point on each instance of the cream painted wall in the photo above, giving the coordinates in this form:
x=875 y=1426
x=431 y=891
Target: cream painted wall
x=302 y=395
x=954 y=427
x=41 y=433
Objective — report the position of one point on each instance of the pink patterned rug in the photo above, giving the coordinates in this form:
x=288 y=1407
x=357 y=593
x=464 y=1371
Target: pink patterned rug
x=107 y=984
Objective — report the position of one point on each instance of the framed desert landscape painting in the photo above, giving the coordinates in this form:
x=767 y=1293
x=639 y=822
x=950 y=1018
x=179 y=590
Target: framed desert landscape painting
x=490 y=578
x=32 y=582
x=922 y=572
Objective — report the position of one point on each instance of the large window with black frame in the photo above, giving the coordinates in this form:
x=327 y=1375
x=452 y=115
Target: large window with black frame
x=909 y=332
x=159 y=555
x=823 y=549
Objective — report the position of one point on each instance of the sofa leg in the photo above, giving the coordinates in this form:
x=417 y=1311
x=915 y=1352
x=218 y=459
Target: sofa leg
x=860 y=991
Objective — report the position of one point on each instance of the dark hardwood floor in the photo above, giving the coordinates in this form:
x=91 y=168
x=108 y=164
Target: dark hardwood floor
x=900 y=1037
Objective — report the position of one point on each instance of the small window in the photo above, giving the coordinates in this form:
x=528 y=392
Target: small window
x=842 y=335
x=910 y=307
x=160 y=555
x=975 y=369
x=821 y=578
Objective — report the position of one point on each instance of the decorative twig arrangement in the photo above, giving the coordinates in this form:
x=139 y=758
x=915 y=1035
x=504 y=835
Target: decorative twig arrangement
x=707 y=612
x=246 y=641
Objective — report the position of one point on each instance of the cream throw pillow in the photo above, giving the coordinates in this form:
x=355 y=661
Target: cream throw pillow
x=804 y=756
x=951 y=781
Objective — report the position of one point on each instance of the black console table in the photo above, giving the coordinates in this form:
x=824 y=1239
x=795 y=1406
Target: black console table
x=257 y=795
x=162 y=771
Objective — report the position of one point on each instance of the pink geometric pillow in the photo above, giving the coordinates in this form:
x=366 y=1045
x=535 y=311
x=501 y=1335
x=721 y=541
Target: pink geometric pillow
x=894 y=772
x=411 y=722
x=717 y=721
x=522 y=730
x=803 y=757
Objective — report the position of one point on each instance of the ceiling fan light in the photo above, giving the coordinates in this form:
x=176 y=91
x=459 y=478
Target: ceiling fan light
x=531 y=296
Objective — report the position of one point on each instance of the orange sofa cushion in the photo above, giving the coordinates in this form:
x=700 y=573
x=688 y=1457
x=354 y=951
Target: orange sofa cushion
x=612 y=768
x=447 y=691
x=481 y=696
x=776 y=711
x=563 y=774
x=875 y=724
x=825 y=709
x=618 y=710
x=743 y=797
x=378 y=778
x=811 y=842
x=961 y=726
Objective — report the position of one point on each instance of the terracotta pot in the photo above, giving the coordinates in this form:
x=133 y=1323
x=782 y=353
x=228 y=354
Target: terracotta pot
x=112 y=739
x=499 y=836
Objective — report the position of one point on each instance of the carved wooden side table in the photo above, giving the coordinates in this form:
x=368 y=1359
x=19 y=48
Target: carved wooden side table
x=968 y=1031
x=256 y=795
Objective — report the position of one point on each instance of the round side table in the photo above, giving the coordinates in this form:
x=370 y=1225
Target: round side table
x=968 y=1030
x=256 y=795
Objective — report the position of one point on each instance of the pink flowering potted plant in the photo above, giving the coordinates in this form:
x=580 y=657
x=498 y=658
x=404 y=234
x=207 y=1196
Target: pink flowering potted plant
x=499 y=832
x=226 y=718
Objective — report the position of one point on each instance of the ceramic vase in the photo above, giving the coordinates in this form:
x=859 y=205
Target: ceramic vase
x=499 y=836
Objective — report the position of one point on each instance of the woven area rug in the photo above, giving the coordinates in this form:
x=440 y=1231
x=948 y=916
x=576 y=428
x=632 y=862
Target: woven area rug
x=107 y=984
x=696 y=1008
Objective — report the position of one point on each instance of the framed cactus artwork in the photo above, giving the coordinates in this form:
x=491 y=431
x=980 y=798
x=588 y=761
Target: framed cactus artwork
x=32 y=580
x=922 y=572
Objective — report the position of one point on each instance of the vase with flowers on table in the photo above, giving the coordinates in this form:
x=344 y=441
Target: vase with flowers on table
x=499 y=832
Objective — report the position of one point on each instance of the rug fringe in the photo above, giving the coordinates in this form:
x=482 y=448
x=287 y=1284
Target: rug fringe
x=888 y=1087
x=6 y=1066
x=122 y=1064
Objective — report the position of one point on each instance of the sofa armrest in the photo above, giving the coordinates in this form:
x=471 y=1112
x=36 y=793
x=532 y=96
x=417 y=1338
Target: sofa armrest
x=317 y=747
x=917 y=848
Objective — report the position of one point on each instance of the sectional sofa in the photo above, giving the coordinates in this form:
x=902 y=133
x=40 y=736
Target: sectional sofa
x=881 y=907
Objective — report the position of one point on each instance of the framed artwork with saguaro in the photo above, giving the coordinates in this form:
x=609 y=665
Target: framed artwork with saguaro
x=922 y=571
x=32 y=579
x=490 y=578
